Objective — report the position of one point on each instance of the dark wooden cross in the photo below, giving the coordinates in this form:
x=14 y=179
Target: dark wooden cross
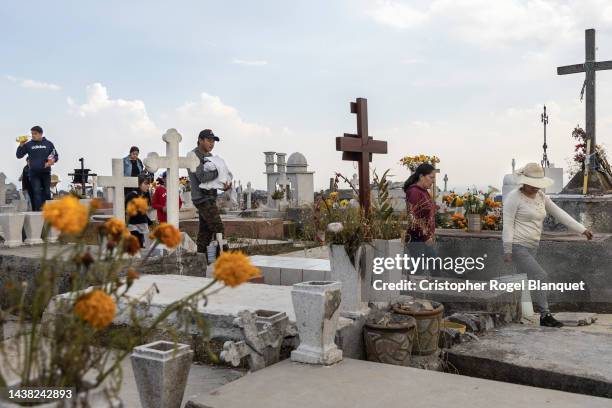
x=360 y=148
x=590 y=66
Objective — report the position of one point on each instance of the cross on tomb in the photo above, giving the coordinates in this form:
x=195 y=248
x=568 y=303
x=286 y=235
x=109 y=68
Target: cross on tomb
x=173 y=162
x=249 y=191
x=360 y=148
x=118 y=182
x=590 y=67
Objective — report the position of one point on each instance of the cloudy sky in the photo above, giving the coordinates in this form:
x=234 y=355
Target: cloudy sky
x=462 y=79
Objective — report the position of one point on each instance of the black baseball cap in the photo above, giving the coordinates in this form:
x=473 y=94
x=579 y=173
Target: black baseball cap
x=208 y=134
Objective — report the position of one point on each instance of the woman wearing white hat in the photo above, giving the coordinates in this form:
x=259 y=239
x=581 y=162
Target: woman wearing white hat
x=524 y=211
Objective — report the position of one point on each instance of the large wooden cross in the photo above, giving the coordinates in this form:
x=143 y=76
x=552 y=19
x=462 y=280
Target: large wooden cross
x=590 y=66
x=360 y=148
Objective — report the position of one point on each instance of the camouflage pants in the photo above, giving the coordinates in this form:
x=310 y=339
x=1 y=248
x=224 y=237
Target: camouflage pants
x=210 y=224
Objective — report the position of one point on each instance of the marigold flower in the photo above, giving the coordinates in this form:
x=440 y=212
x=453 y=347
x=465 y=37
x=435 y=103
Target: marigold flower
x=235 y=268
x=96 y=308
x=333 y=195
x=115 y=228
x=458 y=202
x=22 y=139
x=66 y=214
x=167 y=234
x=95 y=204
x=137 y=205
x=132 y=274
x=131 y=245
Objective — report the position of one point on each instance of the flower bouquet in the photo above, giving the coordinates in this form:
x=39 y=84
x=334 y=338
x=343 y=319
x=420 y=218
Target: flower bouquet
x=412 y=162
x=67 y=340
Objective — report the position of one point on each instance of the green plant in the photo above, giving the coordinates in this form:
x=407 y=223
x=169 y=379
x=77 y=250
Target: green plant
x=278 y=194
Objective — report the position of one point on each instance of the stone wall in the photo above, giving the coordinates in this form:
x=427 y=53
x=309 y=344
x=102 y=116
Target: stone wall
x=594 y=212
x=565 y=257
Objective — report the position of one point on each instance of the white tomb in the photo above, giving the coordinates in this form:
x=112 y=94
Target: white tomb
x=292 y=177
x=33 y=226
x=12 y=226
x=555 y=173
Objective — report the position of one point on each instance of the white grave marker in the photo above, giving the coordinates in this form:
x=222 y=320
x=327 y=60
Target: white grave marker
x=172 y=162
x=118 y=182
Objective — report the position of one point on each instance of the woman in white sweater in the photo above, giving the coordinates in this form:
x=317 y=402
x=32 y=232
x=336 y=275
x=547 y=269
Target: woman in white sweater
x=524 y=211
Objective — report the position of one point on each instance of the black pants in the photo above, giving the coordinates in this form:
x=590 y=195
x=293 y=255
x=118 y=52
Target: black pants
x=139 y=236
x=41 y=189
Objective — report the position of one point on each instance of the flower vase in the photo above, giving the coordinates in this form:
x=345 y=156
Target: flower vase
x=161 y=369
x=351 y=277
x=474 y=222
x=316 y=305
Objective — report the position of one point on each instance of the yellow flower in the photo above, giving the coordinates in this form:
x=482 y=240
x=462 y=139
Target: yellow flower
x=167 y=234
x=333 y=195
x=115 y=228
x=22 y=139
x=137 y=205
x=329 y=202
x=344 y=203
x=96 y=308
x=67 y=214
x=235 y=268
x=458 y=202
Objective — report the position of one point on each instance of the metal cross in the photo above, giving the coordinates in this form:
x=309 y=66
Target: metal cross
x=590 y=67
x=544 y=118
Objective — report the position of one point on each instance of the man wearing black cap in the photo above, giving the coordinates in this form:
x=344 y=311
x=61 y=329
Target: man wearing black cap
x=206 y=200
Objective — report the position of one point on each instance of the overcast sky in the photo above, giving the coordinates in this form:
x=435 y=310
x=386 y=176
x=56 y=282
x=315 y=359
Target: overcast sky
x=464 y=80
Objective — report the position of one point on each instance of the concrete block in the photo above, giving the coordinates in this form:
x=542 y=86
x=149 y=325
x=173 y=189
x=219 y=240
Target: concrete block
x=33 y=225
x=313 y=275
x=12 y=226
x=272 y=276
x=290 y=276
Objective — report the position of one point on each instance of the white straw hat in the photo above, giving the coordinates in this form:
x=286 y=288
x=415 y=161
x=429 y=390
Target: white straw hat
x=533 y=175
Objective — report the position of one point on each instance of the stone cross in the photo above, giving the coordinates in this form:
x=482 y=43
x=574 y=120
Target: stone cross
x=261 y=347
x=513 y=165
x=445 y=181
x=3 y=187
x=249 y=191
x=590 y=67
x=360 y=147
x=173 y=162
x=118 y=182
x=355 y=181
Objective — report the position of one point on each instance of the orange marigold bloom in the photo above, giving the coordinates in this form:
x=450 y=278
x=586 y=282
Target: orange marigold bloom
x=132 y=274
x=115 y=228
x=66 y=214
x=137 y=205
x=235 y=268
x=167 y=234
x=95 y=204
x=131 y=245
x=96 y=308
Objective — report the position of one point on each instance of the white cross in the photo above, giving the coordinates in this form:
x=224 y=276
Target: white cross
x=173 y=162
x=249 y=190
x=118 y=182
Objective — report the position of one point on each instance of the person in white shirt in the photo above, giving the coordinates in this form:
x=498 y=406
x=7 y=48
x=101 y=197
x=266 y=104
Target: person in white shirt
x=524 y=211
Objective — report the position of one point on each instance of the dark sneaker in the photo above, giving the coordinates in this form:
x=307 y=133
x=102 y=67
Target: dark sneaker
x=549 y=321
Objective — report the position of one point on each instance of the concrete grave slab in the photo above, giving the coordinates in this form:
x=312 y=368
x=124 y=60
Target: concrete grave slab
x=362 y=384
x=561 y=359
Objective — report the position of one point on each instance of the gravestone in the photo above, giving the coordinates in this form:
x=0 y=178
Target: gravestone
x=12 y=227
x=117 y=182
x=509 y=181
x=249 y=191
x=172 y=161
x=33 y=225
x=3 y=187
x=600 y=180
x=360 y=147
